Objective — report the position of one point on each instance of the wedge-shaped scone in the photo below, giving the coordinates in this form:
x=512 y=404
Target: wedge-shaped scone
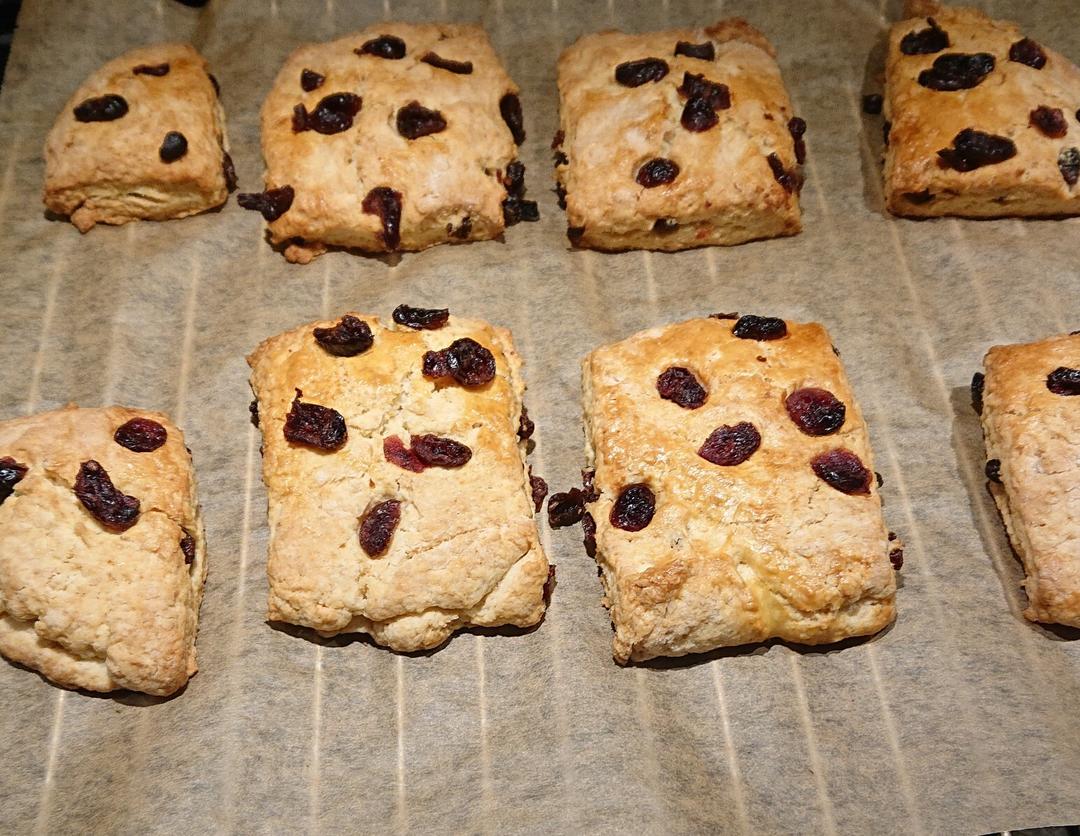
x=400 y=502
x=102 y=557
x=676 y=139
x=397 y=137
x=1031 y=421
x=142 y=138
x=737 y=499
x=982 y=121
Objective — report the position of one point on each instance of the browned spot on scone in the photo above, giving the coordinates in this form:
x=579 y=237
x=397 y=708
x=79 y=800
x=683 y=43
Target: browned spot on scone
x=310 y=80
x=151 y=69
x=464 y=360
x=705 y=51
x=642 y=71
x=1050 y=121
x=11 y=473
x=332 y=115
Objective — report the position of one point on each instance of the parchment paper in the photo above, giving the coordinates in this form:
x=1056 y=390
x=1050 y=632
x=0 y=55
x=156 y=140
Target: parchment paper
x=962 y=718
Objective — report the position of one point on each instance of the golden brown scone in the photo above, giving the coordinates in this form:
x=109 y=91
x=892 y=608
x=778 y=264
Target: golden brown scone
x=737 y=169
x=360 y=173
x=737 y=549
x=131 y=167
x=1031 y=422
x=463 y=549
x=89 y=605
x=991 y=132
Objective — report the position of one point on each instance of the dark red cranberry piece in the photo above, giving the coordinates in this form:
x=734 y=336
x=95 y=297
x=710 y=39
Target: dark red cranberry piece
x=957 y=71
x=228 y=170
x=588 y=475
x=463 y=230
x=993 y=470
x=515 y=207
x=733 y=315
x=332 y=115
x=173 y=147
x=1049 y=120
x=698 y=116
x=642 y=71
x=634 y=508
x=193 y=4
x=1064 y=381
x=311 y=80
x=815 y=411
x=525 y=425
x=315 y=426
x=557 y=140
x=465 y=360
x=657 y=172
x=377 y=526
x=588 y=526
x=1027 y=51
x=395 y=452
x=896 y=558
x=705 y=51
x=414 y=121
x=973 y=149
x=458 y=67
x=510 y=108
x=152 y=69
x=925 y=41
x=678 y=384
x=731 y=444
x=841 y=469
x=751 y=327
x=885 y=130
x=872 y=103
x=187 y=546
x=436 y=451
x=978 y=385
x=110 y=507
x=790 y=180
x=696 y=86
x=1069 y=165
x=11 y=473
x=665 y=226
x=566 y=508
x=273 y=203
x=879 y=478
x=384 y=46
x=422 y=319
x=351 y=336
x=539 y=490
x=575 y=233
x=101 y=108
x=919 y=198
x=386 y=203
x=253 y=410
x=140 y=435
x=797 y=128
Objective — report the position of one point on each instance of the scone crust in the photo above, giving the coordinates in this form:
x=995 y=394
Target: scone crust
x=1035 y=434
x=443 y=178
x=733 y=554
x=924 y=121
x=466 y=550
x=111 y=172
x=88 y=607
x=725 y=193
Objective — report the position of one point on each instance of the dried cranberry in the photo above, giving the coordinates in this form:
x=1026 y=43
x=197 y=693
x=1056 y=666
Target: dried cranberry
x=351 y=336
x=173 y=147
x=525 y=425
x=377 y=526
x=414 y=121
x=657 y=172
x=705 y=51
x=386 y=203
x=101 y=108
x=1064 y=381
x=11 y=473
x=560 y=195
x=879 y=478
x=384 y=46
x=311 y=80
x=315 y=426
x=515 y=207
x=731 y=445
x=919 y=198
x=815 y=411
x=872 y=103
x=273 y=203
x=973 y=149
x=797 y=128
x=588 y=475
x=896 y=558
x=458 y=67
x=187 y=546
x=436 y=451
x=539 y=490
x=957 y=71
x=696 y=86
x=557 y=140
x=664 y=226
x=733 y=315
x=925 y=41
x=465 y=360
x=1027 y=51
x=395 y=452
x=588 y=527
x=510 y=108
x=978 y=385
x=549 y=585
x=110 y=507
x=642 y=71
x=751 y=327
x=253 y=410
x=140 y=435
x=790 y=180
x=841 y=469
x=463 y=230
x=678 y=384
x=228 y=170
x=886 y=128
x=993 y=470
x=332 y=115
x=151 y=69
x=634 y=508
x=566 y=508
x=1069 y=165
x=421 y=318
x=698 y=116
x=1049 y=120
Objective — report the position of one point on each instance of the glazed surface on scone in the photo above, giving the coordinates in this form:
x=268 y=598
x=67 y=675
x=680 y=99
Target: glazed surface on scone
x=1031 y=422
x=624 y=102
x=463 y=549
x=92 y=599
x=449 y=179
x=982 y=120
x=746 y=540
x=111 y=156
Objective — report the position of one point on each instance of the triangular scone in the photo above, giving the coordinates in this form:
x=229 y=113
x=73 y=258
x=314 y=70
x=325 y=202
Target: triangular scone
x=982 y=122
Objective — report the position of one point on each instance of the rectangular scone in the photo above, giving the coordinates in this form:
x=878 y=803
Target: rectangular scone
x=1031 y=423
x=399 y=497
x=676 y=139
x=737 y=499
x=102 y=554
x=142 y=138
x=397 y=137
x=982 y=121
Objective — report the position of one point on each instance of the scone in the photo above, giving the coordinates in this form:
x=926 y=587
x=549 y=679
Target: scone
x=399 y=497
x=733 y=498
x=397 y=137
x=102 y=556
x=676 y=139
x=982 y=121
x=142 y=138
x=1031 y=422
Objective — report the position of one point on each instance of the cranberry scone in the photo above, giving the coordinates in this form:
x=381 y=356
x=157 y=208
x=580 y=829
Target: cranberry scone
x=394 y=462
x=732 y=497
x=102 y=554
x=397 y=137
x=142 y=138
x=676 y=139
x=1030 y=402
x=981 y=120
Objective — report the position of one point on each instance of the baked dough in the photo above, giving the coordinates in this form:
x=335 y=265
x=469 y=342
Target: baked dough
x=726 y=190
x=733 y=554
x=113 y=171
x=466 y=550
x=86 y=606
